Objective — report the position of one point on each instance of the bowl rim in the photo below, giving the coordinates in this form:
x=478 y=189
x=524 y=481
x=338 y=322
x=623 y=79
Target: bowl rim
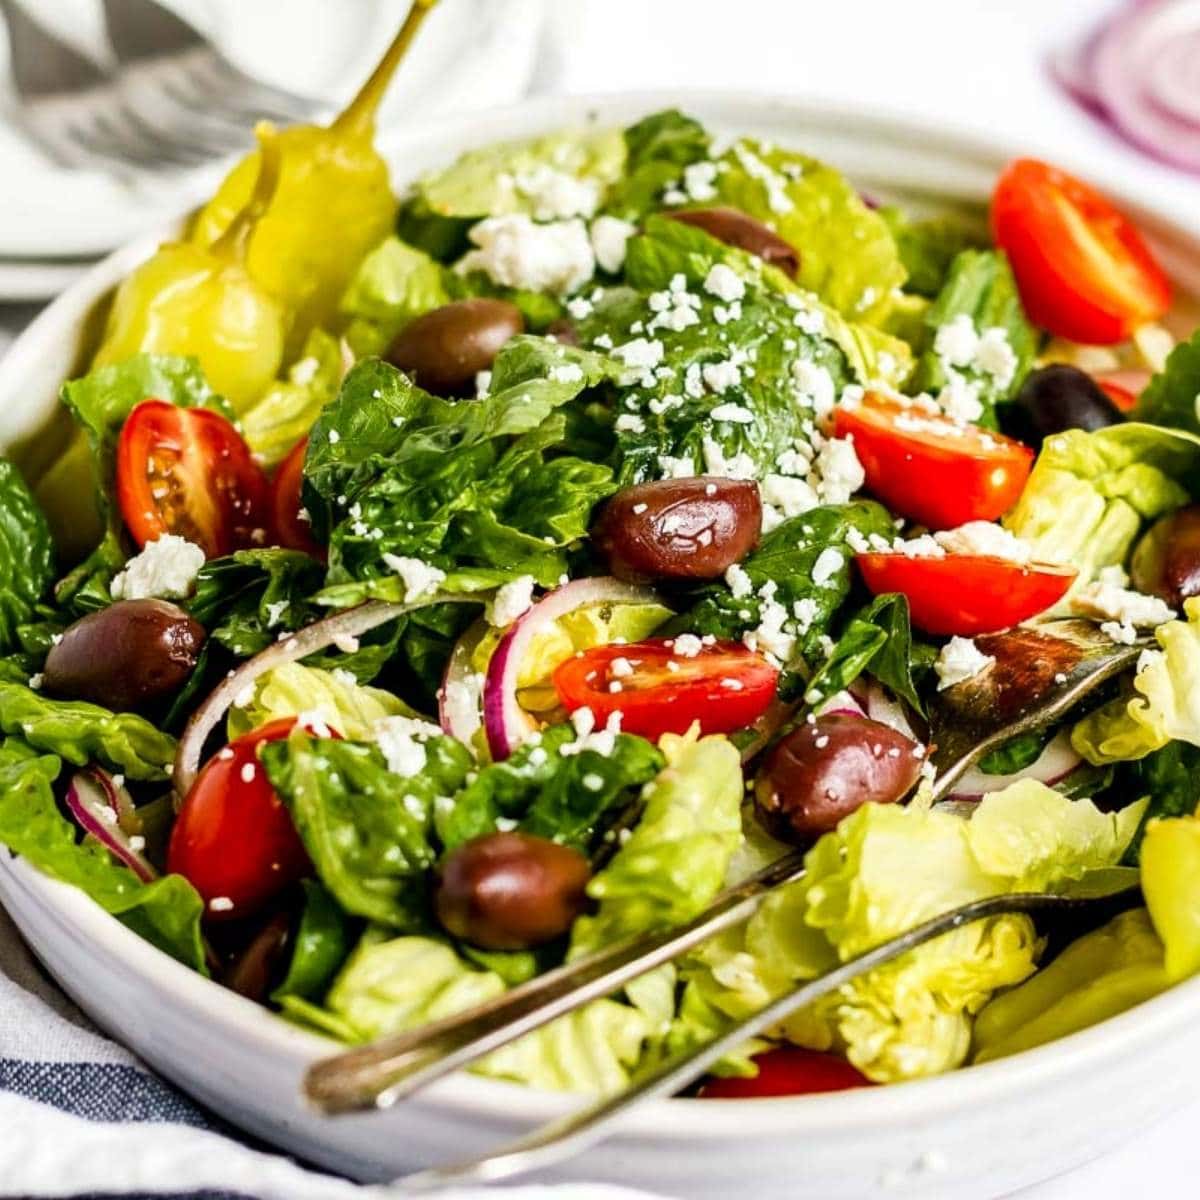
x=80 y=919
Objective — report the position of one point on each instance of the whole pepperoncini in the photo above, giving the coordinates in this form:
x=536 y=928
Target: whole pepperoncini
x=203 y=301
x=333 y=204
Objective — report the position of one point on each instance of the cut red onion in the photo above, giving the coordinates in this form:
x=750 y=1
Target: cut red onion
x=1055 y=762
x=460 y=698
x=883 y=707
x=840 y=704
x=351 y=623
x=505 y=722
x=104 y=810
x=1072 y=67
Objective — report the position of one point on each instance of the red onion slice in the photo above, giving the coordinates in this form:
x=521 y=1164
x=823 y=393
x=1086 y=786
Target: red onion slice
x=352 y=623
x=100 y=807
x=460 y=698
x=505 y=722
x=1055 y=762
x=1072 y=67
x=841 y=704
x=883 y=707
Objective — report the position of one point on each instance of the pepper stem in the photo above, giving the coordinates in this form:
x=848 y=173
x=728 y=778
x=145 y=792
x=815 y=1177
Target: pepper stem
x=235 y=241
x=359 y=114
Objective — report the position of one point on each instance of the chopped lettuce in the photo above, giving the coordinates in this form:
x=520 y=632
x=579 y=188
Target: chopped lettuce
x=165 y=912
x=884 y=870
x=26 y=555
x=928 y=246
x=1090 y=494
x=320 y=946
x=1173 y=396
x=676 y=859
x=1169 y=778
x=1166 y=705
x=656 y=149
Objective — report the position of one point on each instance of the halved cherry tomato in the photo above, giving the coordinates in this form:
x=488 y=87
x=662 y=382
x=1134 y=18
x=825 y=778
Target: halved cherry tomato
x=233 y=840
x=290 y=528
x=187 y=471
x=931 y=469
x=1082 y=269
x=724 y=686
x=788 y=1071
x=966 y=594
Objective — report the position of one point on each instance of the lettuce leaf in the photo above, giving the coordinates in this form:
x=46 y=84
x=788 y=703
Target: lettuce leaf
x=1172 y=396
x=927 y=246
x=1166 y=706
x=656 y=148
x=1091 y=494
x=676 y=859
x=1170 y=778
x=885 y=869
x=166 y=912
x=26 y=555
x=83 y=733
x=320 y=947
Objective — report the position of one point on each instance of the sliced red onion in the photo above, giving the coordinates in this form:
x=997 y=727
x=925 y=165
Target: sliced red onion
x=883 y=707
x=460 y=698
x=1072 y=67
x=841 y=704
x=1055 y=762
x=505 y=722
x=104 y=810
x=351 y=623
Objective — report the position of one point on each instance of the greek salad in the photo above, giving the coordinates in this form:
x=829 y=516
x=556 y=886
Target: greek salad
x=434 y=589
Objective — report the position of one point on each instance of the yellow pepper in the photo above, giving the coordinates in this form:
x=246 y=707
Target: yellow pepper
x=202 y=301
x=1170 y=862
x=334 y=202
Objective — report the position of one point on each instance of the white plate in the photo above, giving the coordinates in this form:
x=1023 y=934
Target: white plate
x=39 y=279
x=978 y=1132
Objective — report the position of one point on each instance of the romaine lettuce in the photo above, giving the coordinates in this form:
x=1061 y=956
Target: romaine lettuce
x=1172 y=397
x=26 y=555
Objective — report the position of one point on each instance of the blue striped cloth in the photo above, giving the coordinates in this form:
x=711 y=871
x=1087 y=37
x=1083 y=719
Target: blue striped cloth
x=81 y=1117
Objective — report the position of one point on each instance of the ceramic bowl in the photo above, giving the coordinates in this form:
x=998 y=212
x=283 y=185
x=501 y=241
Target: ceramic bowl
x=978 y=1132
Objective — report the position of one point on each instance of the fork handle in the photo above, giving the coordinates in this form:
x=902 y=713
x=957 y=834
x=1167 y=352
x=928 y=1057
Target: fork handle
x=570 y=1135
x=378 y=1075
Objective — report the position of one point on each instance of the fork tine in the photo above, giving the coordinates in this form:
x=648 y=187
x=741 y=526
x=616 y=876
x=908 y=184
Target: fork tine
x=42 y=65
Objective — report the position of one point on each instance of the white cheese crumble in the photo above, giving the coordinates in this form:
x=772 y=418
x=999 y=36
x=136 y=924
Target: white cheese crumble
x=400 y=740
x=566 y=373
x=630 y=423
x=419 y=578
x=698 y=179
x=588 y=737
x=737 y=414
x=829 y=562
x=814 y=384
x=165 y=569
x=984 y=538
x=516 y=252
x=511 y=601
x=721 y=376
x=609 y=236
x=960 y=659
x=556 y=194
x=640 y=352
x=784 y=496
x=738 y=582
x=724 y=283
x=840 y=470
x=1109 y=602
x=956 y=342
x=687 y=645
x=220 y=904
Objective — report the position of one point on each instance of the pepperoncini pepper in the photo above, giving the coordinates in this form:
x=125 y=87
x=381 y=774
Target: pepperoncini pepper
x=333 y=204
x=199 y=300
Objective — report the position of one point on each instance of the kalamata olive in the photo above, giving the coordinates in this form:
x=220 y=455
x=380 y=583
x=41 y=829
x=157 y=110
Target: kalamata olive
x=693 y=528
x=736 y=228
x=563 y=331
x=511 y=891
x=256 y=966
x=1166 y=562
x=826 y=769
x=124 y=656
x=1056 y=398
x=444 y=349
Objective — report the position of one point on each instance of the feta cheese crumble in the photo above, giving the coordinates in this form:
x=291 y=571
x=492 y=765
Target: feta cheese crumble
x=514 y=251
x=609 y=235
x=960 y=659
x=165 y=569
x=556 y=194
x=1107 y=601
x=724 y=283
x=401 y=739
x=511 y=601
x=419 y=578
x=984 y=538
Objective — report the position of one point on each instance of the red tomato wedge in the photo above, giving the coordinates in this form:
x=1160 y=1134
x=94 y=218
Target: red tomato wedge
x=233 y=840
x=1082 y=269
x=724 y=686
x=931 y=469
x=788 y=1071
x=187 y=471
x=291 y=529
x=966 y=594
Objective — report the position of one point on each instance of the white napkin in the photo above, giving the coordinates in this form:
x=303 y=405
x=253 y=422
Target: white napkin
x=80 y=1116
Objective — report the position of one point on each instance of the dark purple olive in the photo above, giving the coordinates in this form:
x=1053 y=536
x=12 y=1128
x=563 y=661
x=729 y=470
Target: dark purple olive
x=826 y=769
x=444 y=349
x=1055 y=398
x=125 y=656
x=254 y=970
x=736 y=228
x=563 y=332
x=682 y=529
x=511 y=891
x=1166 y=562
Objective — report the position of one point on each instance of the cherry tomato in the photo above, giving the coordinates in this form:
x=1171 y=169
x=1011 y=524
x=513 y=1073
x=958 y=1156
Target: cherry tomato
x=659 y=690
x=788 y=1071
x=291 y=529
x=233 y=840
x=187 y=471
x=1082 y=269
x=933 y=470
x=966 y=594
x=1124 y=388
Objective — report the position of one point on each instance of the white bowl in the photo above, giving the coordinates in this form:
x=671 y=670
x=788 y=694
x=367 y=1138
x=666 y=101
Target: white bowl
x=979 y=1132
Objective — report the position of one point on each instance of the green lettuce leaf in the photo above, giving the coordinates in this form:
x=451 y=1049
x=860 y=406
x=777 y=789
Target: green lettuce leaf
x=1172 y=396
x=676 y=859
x=83 y=733
x=927 y=246
x=321 y=945
x=656 y=148
x=1090 y=494
x=884 y=870
x=26 y=555
x=1170 y=778
x=166 y=912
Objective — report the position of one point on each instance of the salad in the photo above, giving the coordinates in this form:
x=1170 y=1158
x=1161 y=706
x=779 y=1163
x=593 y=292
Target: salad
x=436 y=589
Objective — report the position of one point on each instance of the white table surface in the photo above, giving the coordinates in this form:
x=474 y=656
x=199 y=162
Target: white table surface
x=974 y=64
